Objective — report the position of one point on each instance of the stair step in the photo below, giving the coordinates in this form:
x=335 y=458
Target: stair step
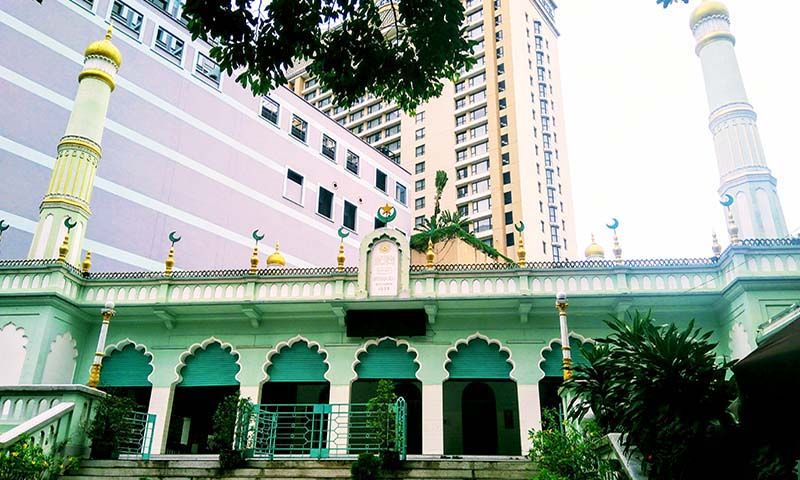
x=204 y=469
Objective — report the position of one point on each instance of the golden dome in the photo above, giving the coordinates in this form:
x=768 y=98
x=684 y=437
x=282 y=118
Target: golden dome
x=104 y=48
x=276 y=258
x=594 y=250
x=707 y=9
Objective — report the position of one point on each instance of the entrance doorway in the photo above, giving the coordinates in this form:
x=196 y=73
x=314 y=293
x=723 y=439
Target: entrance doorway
x=411 y=390
x=480 y=427
x=192 y=416
x=481 y=417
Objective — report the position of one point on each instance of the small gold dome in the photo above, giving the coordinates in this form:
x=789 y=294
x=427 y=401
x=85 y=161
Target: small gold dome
x=276 y=258
x=594 y=250
x=707 y=9
x=104 y=48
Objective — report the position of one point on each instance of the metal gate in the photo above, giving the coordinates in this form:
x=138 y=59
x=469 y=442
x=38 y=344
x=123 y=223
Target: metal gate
x=137 y=437
x=267 y=431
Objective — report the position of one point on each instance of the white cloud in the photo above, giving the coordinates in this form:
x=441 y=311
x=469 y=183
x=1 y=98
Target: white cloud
x=636 y=115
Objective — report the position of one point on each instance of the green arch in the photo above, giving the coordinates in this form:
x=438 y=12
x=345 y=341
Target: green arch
x=479 y=359
x=211 y=366
x=387 y=360
x=299 y=362
x=553 y=359
x=127 y=367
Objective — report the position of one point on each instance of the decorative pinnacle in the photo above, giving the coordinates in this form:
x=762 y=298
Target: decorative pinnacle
x=169 y=262
x=87 y=263
x=254 y=261
x=715 y=246
x=733 y=229
x=521 y=254
x=561 y=303
x=617 y=248
x=430 y=257
x=109 y=32
x=63 y=250
x=340 y=257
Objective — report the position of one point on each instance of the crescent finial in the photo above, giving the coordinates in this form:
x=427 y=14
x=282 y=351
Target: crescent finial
x=173 y=238
x=727 y=200
x=4 y=226
x=614 y=224
x=256 y=236
x=520 y=227
x=69 y=223
x=343 y=233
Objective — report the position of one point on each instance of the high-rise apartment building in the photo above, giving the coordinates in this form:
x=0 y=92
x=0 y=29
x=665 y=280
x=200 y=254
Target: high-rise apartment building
x=498 y=132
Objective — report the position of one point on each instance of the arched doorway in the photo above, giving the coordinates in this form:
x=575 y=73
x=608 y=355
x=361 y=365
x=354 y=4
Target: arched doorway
x=392 y=360
x=481 y=414
x=480 y=429
x=552 y=364
x=208 y=376
x=296 y=386
x=125 y=373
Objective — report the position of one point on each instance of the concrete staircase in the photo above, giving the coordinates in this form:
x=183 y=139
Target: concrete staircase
x=301 y=469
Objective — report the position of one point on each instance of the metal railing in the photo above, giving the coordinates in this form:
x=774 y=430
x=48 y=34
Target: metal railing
x=268 y=431
x=137 y=439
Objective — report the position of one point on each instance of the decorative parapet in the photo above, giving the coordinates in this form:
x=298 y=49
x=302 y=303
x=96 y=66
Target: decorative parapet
x=753 y=258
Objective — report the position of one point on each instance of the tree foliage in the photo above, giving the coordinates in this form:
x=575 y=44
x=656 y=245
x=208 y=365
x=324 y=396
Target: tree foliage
x=661 y=386
x=395 y=49
x=446 y=225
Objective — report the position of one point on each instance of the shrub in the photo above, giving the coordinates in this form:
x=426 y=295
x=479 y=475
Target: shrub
x=367 y=467
x=26 y=461
x=662 y=387
x=382 y=417
x=108 y=424
x=223 y=431
x=564 y=453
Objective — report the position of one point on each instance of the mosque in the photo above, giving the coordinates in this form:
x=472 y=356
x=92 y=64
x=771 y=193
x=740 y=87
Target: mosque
x=476 y=351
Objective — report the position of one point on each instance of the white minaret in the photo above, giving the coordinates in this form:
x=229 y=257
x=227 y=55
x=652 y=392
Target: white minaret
x=742 y=165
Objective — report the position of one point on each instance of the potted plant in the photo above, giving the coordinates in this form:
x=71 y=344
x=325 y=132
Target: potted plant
x=108 y=425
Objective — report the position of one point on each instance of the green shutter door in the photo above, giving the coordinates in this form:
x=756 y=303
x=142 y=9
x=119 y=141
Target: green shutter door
x=553 y=360
x=128 y=367
x=298 y=363
x=481 y=360
x=387 y=360
x=211 y=367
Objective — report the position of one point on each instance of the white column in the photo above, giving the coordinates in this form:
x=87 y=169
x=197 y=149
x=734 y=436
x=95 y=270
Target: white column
x=251 y=392
x=161 y=406
x=530 y=413
x=432 y=419
x=338 y=423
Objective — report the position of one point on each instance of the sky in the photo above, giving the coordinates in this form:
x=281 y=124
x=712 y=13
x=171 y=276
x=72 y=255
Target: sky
x=637 y=119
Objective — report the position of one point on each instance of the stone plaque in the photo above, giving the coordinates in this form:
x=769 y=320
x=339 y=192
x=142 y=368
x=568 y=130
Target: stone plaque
x=384 y=267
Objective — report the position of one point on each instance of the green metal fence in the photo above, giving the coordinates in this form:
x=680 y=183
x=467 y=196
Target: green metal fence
x=137 y=437
x=268 y=431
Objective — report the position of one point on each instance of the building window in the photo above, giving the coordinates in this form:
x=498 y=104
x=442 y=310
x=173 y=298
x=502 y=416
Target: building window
x=208 y=69
x=352 y=162
x=169 y=44
x=380 y=180
x=270 y=109
x=393 y=130
x=556 y=253
x=349 y=215
x=420 y=133
x=373 y=123
x=553 y=211
x=420 y=117
x=325 y=203
x=419 y=203
x=482 y=205
x=461 y=120
x=400 y=193
x=329 y=147
x=419 y=167
x=461 y=192
x=482 y=225
x=419 y=185
x=503 y=121
x=392 y=115
x=128 y=18
x=507 y=198
x=299 y=128
x=173 y=8
x=509 y=239
x=419 y=151
x=418 y=221
x=506 y=178
x=506 y=158
x=293 y=190
x=356 y=115
x=509 y=218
